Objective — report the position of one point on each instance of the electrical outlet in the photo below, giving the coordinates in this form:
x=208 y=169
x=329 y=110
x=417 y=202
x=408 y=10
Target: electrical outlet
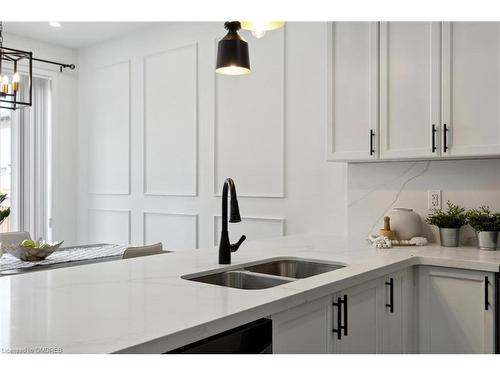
x=434 y=199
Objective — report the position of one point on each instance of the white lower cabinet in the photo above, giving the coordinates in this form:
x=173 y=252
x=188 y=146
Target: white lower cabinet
x=355 y=320
x=305 y=329
x=456 y=311
x=398 y=318
x=424 y=309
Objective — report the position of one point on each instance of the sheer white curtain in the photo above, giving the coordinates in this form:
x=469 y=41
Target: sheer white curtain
x=34 y=162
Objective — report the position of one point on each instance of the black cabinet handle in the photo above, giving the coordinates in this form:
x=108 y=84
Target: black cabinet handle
x=391 y=294
x=486 y=297
x=341 y=327
x=345 y=315
x=337 y=330
x=372 y=135
x=434 y=131
x=445 y=138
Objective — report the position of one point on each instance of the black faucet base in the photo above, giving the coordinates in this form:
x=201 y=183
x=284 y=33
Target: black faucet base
x=224 y=249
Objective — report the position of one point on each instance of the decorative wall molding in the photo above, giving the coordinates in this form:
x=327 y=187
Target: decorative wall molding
x=195 y=188
x=94 y=72
x=195 y=223
x=126 y=212
x=282 y=192
x=259 y=219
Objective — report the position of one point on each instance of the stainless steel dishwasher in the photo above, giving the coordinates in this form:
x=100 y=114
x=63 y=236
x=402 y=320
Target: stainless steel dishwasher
x=252 y=338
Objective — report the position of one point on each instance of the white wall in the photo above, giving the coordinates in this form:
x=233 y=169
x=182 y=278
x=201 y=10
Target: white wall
x=158 y=132
x=64 y=130
x=374 y=188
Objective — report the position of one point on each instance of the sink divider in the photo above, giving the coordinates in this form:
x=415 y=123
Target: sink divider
x=263 y=275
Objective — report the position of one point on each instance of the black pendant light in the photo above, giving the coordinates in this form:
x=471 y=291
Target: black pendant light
x=232 y=52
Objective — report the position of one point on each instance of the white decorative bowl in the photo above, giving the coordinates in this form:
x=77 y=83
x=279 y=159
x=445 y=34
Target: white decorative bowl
x=31 y=254
x=406 y=223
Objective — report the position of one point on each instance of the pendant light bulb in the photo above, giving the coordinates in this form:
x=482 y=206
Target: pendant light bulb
x=5 y=85
x=232 y=52
x=258 y=33
x=259 y=28
x=16 y=79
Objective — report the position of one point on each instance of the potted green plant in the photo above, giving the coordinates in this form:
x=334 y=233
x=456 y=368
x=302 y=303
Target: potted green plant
x=4 y=211
x=449 y=222
x=486 y=224
x=4 y=214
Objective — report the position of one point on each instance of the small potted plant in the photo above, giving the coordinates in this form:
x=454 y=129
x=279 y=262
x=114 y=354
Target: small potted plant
x=449 y=222
x=486 y=224
x=4 y=211
x=4 y=214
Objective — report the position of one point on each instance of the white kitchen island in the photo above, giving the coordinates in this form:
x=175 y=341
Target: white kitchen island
x=142 y=305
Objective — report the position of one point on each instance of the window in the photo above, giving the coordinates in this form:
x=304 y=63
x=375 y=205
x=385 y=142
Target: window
x=25 y=162
x=6 y=161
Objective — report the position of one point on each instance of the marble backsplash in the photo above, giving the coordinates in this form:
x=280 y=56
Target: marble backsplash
x=375 y=188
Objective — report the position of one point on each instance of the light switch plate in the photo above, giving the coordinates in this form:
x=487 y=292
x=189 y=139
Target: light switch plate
x=434 y=199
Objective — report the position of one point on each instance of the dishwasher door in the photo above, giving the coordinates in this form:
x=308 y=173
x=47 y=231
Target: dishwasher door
x=252 y=338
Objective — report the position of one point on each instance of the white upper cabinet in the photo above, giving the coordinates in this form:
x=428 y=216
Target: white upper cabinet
x=413 y=90
x=410 y=62
x=471 y=88
x=353 y=90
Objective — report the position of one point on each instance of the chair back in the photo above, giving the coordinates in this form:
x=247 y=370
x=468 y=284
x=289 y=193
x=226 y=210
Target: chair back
x=14 y=238
x=140 y=251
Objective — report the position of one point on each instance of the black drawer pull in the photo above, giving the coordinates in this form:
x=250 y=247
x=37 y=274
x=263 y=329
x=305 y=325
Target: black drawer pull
x=434 y=131
x=391 y=294
x=337 y=330
x=372 y=135
x=345 y=315
x=486 y=297
x=445 y=138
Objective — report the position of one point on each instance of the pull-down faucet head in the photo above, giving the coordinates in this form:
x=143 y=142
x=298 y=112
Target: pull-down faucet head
x=234 y=215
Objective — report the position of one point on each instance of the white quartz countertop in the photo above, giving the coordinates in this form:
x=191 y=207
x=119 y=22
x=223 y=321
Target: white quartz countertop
x=143 y=304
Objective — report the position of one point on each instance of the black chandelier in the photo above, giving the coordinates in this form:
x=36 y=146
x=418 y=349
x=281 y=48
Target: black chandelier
x=16 y=93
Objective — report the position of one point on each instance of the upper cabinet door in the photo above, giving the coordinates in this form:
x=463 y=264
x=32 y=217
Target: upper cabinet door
x=471 y=88
x=410 y=54
x=353 y=90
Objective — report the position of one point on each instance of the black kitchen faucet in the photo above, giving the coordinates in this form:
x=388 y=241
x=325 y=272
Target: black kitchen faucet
x=225 y=246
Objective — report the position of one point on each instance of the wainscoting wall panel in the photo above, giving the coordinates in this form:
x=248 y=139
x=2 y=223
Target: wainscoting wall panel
x=190 y=128
x=109 y=130
x=255 y=228
x=175 y=231
x=250 y=122
x=171 y=122
x=109 y=226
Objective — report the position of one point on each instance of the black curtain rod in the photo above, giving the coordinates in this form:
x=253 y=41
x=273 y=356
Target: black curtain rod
x=61 y=65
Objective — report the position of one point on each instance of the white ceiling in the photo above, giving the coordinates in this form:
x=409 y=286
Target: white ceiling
x=73 y=34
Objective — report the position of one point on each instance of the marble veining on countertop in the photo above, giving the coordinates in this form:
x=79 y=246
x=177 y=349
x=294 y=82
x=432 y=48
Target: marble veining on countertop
x=143 y=304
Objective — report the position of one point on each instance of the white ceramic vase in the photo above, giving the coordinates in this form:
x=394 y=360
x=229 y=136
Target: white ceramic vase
x=405 y=222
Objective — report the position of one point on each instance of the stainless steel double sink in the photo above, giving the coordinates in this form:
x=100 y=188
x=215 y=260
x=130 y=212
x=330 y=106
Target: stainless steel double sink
x=267 y=274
